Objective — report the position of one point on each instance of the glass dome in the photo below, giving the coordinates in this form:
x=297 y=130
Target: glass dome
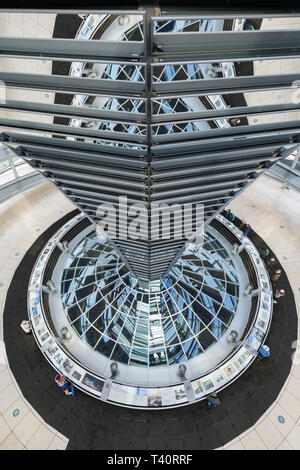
x=156 y=323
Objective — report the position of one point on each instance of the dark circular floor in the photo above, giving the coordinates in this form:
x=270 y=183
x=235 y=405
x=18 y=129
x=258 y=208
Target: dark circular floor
x=92 y=424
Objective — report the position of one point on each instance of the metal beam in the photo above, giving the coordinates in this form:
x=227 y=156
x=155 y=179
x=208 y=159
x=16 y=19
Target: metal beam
x=108 y=191
x=197 y=164
x=287 y=137
x=84 y=112
x=244 y=111
x=220 y=85
x=225 y=131
x=229 y=45
x=116 y=148
x=70 y=49
x=93 y=176
x=173 y=183
x=92 y=133
x=251 y=164
x=30 y=81
x=83 y=166
x=98 y=197
x=158 y=195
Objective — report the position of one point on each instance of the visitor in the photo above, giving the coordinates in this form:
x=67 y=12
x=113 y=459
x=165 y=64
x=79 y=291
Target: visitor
x=243 y=222
x=264 y=351
x=235 y=121
x=246 y=230
x=270 y=264
x=276 y=276
x=64 y=384
x=213 y=400
x=277 y=294
x=237 y=222
x=248 y=26
x=265 y=253
x=26 y=326
x=227 y=214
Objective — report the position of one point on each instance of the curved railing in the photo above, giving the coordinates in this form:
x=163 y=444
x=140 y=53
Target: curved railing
x=186 y=391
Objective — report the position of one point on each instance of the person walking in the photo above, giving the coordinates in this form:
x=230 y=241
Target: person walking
x=276 y=276
x=246 y=230
x=64 y=384
x=213 y=400
x=243 y=222
x=248 y=25
x=270 y=264
x=265 y=253
x=232 y=217
x=277 y=294
x=227 y=214
x=264 y=351
x=26 y=326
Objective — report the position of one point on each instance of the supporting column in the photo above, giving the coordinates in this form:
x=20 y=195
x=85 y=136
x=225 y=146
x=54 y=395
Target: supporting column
x=237 y=249
x=64 y=246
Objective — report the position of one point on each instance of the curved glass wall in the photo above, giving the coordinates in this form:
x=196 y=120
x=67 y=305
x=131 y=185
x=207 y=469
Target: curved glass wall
x=155 y=323
x=152 y=386
x=168 y=73
x=190 y=71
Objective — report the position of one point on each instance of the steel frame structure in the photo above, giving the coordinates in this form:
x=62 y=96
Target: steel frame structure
x=210 y=167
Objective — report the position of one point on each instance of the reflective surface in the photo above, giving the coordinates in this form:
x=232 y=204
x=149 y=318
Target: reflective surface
x=201 y=75
x=12 y=167
x=152 y=386
x=149 y=323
